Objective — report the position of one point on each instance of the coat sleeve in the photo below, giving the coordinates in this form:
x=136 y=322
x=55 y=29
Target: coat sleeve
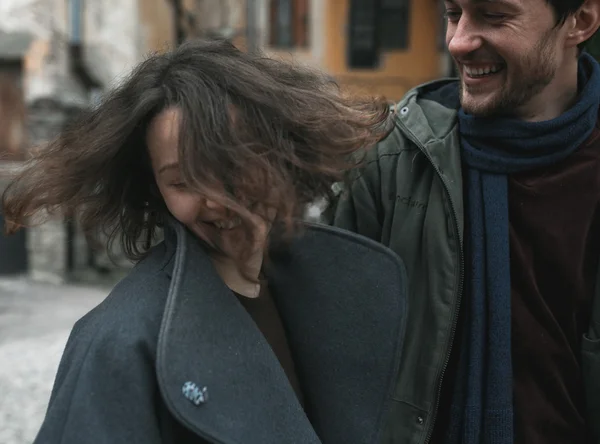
x=105 y=390
x=358 y=205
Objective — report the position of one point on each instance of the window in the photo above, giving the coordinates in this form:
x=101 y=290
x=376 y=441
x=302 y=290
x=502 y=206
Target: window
x=363 y=38
x=394 y=24
x=375 y=26
x=442 y=27
x=289 y=23
x=12 y=112
x=75 y=19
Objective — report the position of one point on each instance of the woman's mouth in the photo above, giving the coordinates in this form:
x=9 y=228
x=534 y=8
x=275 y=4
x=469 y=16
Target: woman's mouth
x=227 y=224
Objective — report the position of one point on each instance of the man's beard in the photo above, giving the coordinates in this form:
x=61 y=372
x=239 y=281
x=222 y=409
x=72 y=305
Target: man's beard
x=529 y=76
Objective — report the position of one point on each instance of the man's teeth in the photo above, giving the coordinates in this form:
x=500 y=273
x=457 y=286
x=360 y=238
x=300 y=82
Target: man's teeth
x=227 y=224
x=477 y=72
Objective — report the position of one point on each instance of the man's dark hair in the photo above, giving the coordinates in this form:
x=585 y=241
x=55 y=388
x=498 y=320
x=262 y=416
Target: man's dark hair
x=564 y=8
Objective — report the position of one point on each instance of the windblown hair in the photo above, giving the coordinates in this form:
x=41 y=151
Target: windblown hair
x=270 y=131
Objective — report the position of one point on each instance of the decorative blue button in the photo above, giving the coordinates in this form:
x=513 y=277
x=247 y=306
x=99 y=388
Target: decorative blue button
x=194 y=393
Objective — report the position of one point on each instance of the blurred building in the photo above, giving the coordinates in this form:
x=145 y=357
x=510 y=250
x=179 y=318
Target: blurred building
x=378 y=47
x=209 y=18
x=374 y=46
x=57 y=57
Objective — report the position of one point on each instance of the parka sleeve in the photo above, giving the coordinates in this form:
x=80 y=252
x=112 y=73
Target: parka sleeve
x=104 y=393
x=358 y=204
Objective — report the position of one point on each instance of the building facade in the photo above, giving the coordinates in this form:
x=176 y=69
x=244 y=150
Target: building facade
x=379 y=47
x=383 y=47
x=57 y=57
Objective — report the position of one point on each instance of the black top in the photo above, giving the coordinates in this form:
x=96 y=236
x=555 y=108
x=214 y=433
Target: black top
x=264 y=312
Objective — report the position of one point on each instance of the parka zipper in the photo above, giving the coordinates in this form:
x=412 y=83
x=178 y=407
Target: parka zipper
x=461 y=275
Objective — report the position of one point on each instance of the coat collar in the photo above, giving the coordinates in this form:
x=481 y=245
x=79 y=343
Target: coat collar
x=345 y=312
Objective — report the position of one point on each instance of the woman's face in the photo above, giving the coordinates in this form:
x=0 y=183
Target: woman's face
x=206 y=218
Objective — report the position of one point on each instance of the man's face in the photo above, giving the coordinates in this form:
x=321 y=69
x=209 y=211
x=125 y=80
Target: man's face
x=509 y=54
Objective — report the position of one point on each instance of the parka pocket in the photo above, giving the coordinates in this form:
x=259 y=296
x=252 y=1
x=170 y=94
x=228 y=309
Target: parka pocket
x=590 y=365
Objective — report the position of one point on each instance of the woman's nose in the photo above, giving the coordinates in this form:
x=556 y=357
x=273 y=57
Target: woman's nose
x=210 y=204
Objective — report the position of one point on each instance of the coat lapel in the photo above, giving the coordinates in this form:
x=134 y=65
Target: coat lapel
x=343 y=300
x=217 y=374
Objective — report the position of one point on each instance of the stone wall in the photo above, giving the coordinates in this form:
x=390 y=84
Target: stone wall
x=112 y=44
x=48 y=243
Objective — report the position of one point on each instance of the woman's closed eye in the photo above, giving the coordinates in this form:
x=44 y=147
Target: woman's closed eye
x=178 y=185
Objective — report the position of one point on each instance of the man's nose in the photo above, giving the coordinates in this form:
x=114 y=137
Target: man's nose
x=464 y=38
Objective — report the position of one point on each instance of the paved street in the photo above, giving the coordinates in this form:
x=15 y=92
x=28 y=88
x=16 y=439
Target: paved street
x=35 y=320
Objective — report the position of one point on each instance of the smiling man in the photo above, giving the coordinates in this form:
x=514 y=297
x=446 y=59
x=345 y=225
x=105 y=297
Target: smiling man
x=502 y=240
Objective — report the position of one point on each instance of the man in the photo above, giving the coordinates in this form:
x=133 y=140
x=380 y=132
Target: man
x=489 y=190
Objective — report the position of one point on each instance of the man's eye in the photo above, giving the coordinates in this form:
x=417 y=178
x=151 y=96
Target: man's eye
x=452 y=16
x=494 y=17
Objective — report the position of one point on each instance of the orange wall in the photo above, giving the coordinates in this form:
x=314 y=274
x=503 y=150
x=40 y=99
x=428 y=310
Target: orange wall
x=157 y=19
x=399 y=70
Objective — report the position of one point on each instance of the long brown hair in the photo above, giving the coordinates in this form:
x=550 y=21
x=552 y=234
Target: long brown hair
x=293 y=131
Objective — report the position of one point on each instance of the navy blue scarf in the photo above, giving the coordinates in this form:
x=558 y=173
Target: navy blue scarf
x=492 y=149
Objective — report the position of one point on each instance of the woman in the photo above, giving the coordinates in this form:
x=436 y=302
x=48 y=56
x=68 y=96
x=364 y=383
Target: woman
x=239 y=327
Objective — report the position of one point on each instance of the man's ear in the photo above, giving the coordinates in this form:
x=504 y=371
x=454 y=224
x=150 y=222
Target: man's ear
x=583 y=23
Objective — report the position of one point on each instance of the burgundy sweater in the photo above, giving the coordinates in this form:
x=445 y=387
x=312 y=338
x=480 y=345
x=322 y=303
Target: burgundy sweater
x=555 y=246
x=554 y=216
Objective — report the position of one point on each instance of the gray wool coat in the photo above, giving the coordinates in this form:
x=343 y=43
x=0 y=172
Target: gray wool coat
x=171 y=356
